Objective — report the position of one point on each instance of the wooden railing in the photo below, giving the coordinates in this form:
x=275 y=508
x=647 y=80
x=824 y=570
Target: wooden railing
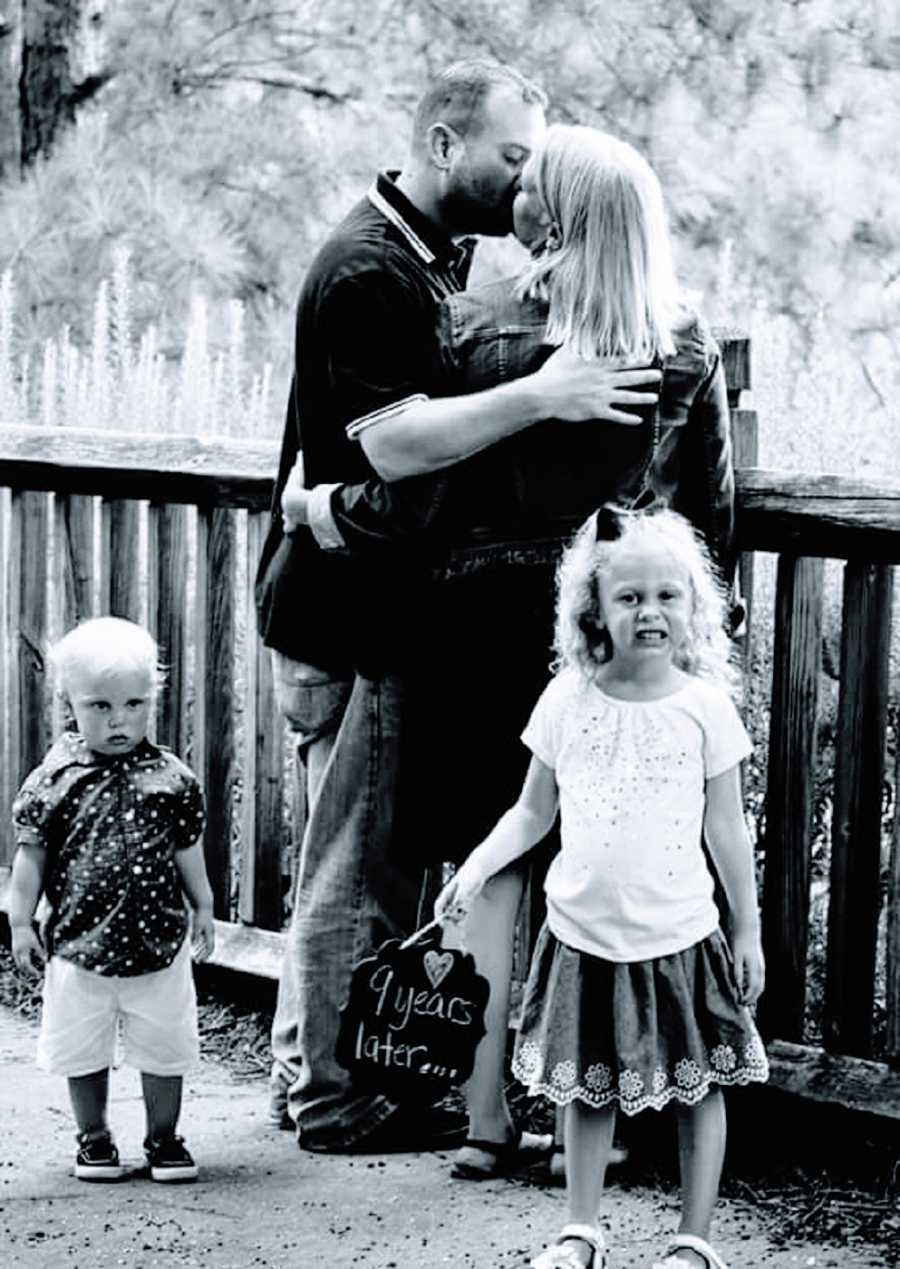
x=167 y=530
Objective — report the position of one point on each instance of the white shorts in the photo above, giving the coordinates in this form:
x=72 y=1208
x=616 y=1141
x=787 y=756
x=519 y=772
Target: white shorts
x=92 y=1021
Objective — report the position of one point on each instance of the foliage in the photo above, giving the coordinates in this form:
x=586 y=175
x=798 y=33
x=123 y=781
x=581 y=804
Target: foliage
x=229 y=138
x=114 y=384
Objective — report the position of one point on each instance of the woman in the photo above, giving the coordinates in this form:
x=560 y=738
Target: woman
x=490 y=529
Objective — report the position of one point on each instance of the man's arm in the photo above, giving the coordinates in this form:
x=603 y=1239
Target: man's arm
x=429 y=436
x=426 y=435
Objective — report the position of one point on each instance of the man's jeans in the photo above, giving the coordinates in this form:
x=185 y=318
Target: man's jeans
x=354 y=888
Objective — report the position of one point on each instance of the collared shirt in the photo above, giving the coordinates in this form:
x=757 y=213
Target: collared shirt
x=365 y=340
x=111 y=827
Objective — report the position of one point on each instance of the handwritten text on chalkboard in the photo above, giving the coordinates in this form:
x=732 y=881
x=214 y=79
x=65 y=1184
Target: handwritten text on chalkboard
x=414 y=1018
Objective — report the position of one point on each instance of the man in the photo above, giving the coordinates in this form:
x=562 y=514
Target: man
x=343 y=633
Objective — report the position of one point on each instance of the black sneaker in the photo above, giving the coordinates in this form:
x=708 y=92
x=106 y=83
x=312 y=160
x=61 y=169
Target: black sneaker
x=170 y=1160
x=98 y=1159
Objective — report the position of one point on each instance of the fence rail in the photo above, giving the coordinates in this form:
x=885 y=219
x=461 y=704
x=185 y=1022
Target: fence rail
x=167 y=530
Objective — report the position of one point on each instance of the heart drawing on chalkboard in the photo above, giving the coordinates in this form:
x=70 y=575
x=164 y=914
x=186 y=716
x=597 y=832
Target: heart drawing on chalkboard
x=437 y=965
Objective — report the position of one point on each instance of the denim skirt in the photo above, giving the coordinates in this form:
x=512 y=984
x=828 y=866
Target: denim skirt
x=637 y=1034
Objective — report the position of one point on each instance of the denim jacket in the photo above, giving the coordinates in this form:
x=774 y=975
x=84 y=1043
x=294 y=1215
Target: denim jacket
x=518 y=501
x=541 y=483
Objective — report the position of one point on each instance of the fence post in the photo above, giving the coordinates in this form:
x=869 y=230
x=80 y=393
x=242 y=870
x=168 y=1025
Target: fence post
x=6 y=710
x=167 y=550
x=854 y=896
x=120 y=589
x=215 y=759
x=260 y=898
x=892 y=952
x=789 y=793
x=28 y=612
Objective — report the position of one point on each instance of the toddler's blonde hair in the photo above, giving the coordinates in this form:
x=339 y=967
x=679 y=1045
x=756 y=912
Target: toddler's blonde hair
x=582 y=641
x=103 y=644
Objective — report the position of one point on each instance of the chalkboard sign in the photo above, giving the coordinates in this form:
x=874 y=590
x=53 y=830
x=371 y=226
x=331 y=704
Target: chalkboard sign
x=413 y=1019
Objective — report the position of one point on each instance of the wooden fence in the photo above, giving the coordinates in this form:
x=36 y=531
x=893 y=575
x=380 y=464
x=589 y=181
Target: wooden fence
x=167 y=530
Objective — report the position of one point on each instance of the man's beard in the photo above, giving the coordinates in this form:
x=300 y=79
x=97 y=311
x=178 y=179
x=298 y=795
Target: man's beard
x=468 y=213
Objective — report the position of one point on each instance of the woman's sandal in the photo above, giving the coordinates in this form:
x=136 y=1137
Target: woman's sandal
x=689 y=1242
x=559 y=1256
x=500 y=1158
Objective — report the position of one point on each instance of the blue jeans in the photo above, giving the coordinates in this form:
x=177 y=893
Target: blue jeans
x=355 y=887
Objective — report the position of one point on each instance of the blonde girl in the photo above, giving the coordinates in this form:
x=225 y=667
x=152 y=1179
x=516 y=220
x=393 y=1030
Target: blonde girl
x=634 y=999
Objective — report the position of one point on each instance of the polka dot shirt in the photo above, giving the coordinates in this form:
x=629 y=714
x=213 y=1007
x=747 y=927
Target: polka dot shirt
x=111 y=827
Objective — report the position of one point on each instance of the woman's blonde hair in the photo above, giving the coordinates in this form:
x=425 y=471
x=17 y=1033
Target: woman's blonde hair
x=582 y=641
x=103 y=644
x=606 y=271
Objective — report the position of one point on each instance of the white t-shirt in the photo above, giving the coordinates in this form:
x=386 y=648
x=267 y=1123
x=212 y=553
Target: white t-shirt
x=631 y=881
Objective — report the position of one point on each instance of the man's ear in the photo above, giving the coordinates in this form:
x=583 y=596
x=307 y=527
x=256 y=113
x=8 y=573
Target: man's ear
x=443 y=142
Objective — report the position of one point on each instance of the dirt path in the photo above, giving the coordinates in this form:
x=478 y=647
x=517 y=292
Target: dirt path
x=263 y=1204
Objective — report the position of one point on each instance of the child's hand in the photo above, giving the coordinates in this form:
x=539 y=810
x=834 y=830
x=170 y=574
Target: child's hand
x=27 y=951
x=456 y=899
x=294 y=498
x=749 y=966
x=203 y=934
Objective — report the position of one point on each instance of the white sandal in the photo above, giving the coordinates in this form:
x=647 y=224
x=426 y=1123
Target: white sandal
x=689 y=1242
x=559 y=1256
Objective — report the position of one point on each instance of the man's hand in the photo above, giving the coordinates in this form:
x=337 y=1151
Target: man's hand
x=294 y=498
x=577 y=390
x=27 y=951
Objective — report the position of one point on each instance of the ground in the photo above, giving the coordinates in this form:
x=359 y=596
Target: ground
x=261 y=1202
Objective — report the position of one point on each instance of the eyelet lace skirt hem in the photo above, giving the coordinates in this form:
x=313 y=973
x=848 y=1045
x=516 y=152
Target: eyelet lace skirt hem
x=638 y=1034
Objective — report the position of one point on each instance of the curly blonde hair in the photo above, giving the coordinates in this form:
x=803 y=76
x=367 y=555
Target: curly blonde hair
x=581 y=639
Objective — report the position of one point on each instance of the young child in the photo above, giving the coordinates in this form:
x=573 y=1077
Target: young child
x=634 y=998
x=107 y=829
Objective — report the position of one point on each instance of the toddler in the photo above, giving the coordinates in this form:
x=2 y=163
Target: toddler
x=634 y=998
x=107 y=829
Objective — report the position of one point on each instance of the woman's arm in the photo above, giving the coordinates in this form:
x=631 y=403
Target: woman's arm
x=192 y=870
x=25 y=889
x=709 y=420
x=725 y=830
x=521 y=827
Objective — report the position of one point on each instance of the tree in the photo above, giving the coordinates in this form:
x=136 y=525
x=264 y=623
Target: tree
x=48 y=71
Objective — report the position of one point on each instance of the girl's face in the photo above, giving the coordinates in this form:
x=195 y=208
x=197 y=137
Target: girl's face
x=531 y=218
x=111 y=708
x=645 y=600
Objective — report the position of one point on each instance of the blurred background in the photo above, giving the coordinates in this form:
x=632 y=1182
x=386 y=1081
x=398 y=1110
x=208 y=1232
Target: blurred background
x=168 y=168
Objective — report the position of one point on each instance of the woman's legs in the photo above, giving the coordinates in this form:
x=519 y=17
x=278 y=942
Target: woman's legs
x=701 y=1152
x=488 y=935
x=89 y=1095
